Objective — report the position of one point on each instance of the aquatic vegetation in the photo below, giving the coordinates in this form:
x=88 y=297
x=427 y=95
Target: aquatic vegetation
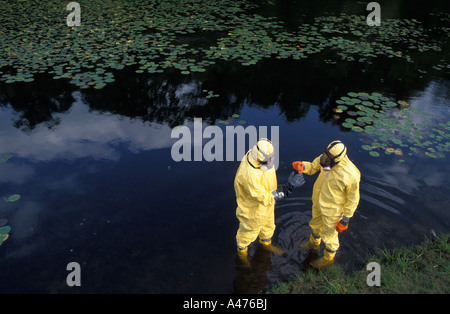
x=232 y=119
x=210 y=94
x=393 y=127
x=4 y=157
x=153 y=36
x=4 y=233
x=11 y=199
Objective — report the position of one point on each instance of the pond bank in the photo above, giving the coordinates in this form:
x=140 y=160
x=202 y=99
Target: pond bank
x=424 y=268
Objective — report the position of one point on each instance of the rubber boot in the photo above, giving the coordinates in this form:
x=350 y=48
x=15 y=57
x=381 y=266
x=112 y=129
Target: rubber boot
x=313 y=244
x=243 y=256
x=267 y=244
x=326 y=261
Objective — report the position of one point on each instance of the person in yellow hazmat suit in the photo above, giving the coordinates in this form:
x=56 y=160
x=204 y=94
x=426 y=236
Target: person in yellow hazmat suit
x=335 y=198
x=256 y=190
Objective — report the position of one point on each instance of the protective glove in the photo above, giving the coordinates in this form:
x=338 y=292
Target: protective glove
x=342 y=224
x=278 y=195
x=298 y=165
x=296 y=180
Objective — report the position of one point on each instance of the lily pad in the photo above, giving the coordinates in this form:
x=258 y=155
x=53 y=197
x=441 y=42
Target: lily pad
x=3 y=238
x=12 y=198
x=5 y=229
x=347 y=125
x=5 y=157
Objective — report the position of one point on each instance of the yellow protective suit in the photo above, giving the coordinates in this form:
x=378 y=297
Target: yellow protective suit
x=335 y=194
x=255 y=202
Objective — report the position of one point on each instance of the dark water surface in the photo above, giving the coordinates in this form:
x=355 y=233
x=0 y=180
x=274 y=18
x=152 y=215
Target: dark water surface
x=98 y=184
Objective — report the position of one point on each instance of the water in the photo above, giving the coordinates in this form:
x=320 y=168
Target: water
x=98 y=185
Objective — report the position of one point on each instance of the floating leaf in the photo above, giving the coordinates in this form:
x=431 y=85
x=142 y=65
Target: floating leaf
x=12 y=198
x=374 y=154
x=403 y=103
x=5 y=229
x=347 y=125
x=5 y=157
x=3 y=238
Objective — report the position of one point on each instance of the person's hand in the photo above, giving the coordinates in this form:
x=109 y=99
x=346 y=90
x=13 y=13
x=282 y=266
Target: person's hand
x=342 y=224
x=296 y=180
x=298 y=165
x=278 y=195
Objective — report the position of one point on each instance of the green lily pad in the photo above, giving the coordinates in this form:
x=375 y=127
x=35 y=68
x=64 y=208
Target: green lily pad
x=5 y=157
x=3 y=238
x=369 y=129
x=12 y=198
x=5 y=229
x=390 y=104
x=374 y=154
x=347 y=125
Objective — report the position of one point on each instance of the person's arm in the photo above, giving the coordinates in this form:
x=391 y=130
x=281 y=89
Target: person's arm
x=352 y=191
x=258 y=191
x=307 y=167
x=294 y=181
x=352 y=202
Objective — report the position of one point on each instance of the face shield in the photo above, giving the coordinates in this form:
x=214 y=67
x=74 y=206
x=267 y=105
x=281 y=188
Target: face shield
x=267 y=163
x=263 y=152
x=328 y=160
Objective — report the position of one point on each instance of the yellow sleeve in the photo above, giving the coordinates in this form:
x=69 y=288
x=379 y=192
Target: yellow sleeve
x=256 y=190
x=311 y=168
x=259 y=191
x=352 y=199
